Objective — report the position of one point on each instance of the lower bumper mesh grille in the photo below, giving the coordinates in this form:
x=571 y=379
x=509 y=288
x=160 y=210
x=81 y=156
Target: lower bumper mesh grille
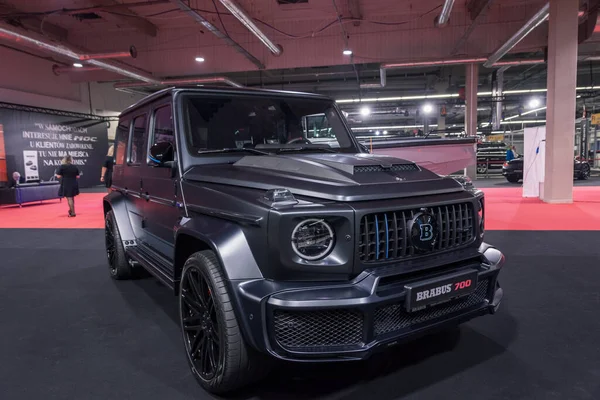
x=394 y=317
x=312 y=330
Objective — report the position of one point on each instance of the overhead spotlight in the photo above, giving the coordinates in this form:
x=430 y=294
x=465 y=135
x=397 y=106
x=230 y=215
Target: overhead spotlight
x=365 y=111
x=378 y=133
x=534 y=103
x=385 y=132
x=199 y=59
x=347 y=52
x=427 y=108
x=78 y=65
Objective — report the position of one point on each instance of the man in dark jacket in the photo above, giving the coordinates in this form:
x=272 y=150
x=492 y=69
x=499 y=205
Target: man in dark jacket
x=17 y=179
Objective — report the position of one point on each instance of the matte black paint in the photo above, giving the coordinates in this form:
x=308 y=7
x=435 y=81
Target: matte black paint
x=166 y=214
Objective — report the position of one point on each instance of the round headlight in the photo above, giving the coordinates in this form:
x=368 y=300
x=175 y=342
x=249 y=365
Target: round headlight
x=312 y=239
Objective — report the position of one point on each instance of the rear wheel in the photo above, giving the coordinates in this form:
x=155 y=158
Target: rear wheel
x=585 y=171
x=117 y=260
x=218 y=356
x=512 y=179
x=482 y=168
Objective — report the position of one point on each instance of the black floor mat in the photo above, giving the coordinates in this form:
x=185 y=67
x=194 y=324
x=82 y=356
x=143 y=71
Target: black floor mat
x=69 y=332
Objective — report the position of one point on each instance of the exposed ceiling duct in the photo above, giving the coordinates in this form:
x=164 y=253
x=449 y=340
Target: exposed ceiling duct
x=381 y=84
x=458 y=61
x=183 y=81
x=237 y=11
x=529 y=26
x=22 y=37
x=57 y=69
x=444 y=16
x=206 y=24
x=100 y=56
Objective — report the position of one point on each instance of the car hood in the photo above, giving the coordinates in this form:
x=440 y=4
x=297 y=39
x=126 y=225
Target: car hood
x=339 y=177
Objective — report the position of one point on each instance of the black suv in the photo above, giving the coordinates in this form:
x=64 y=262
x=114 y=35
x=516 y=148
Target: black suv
x=283 y=237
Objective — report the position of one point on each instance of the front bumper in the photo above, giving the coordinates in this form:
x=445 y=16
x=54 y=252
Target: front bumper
x=351 y=321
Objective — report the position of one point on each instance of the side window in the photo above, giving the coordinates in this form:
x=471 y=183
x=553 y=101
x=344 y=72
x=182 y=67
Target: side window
x=138 y=134
x=121 y=137
x=163 y=129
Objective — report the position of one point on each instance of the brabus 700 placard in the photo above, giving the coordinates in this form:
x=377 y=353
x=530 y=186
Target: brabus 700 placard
x=439 y=290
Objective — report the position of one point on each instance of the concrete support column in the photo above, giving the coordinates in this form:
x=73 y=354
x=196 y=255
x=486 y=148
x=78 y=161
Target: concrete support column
x=560 y=113
x=472 y=80
x=441 y=122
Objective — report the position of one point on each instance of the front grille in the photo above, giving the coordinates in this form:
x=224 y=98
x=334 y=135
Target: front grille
x=394 y=317
x=313 y=330
x=385 y=236
x=379 y=168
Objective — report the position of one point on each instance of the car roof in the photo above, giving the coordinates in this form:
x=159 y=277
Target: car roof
x=219 y=90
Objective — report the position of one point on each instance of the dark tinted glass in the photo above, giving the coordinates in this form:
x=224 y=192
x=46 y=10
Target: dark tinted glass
x=121 y=142
x=136 y=152
x=225 y=122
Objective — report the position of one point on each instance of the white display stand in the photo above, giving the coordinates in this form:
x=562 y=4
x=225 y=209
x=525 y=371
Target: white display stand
x=534 y=155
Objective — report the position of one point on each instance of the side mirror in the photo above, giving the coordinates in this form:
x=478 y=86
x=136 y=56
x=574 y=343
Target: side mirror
x=161 y=153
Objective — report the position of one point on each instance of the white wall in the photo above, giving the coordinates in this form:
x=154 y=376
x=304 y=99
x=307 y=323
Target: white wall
x=28 y=80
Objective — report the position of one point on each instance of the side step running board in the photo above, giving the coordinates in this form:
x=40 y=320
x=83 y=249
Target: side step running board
x=148 y=263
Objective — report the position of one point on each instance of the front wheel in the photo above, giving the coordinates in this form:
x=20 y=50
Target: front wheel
x=482 y=168
x=584 y=174
x=218 y=356
x=512 y=179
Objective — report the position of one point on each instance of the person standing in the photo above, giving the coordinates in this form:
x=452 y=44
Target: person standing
x=69 y=187
x=107 y=168
x=510 y=153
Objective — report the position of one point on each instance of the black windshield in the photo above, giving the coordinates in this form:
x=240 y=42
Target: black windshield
x=265 y=123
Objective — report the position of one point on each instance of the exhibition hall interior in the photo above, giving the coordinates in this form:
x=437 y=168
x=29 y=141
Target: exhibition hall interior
x=299 y=199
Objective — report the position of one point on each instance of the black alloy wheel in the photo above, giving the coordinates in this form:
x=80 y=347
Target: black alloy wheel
x=118 y=263
x=482 y=168
x=217 y=353
x=109 y=240
x=201 y=329
x=585 y=172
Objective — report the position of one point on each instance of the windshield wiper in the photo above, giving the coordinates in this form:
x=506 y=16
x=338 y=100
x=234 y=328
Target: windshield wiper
x=233 y=150
x=286 y=149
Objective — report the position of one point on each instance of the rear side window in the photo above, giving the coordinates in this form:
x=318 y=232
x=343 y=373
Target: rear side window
x=121 y=137
x=138 y=134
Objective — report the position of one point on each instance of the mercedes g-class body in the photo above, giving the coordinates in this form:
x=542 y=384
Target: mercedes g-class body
x=283 y=237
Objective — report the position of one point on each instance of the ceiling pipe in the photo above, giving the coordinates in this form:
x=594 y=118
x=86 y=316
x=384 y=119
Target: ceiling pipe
x=57 y=69
x=100 y=56
x=433 y=63
x=182 y=82
x=444 y=16
x=381 y=84
x=22 y=37
x=206 y=24
x=247 y=21
x=529 y=26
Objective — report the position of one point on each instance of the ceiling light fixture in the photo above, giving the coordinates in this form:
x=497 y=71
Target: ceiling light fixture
x=199 y=59
x=78 y=65
x=347 y=52
x=534 y=103
x=427 y=108
x=365 y=111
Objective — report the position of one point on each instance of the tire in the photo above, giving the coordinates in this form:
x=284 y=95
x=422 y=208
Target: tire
x=512 y=179
x=220 y=359
x=584 y=174
x=117 y=260
x=482 y=168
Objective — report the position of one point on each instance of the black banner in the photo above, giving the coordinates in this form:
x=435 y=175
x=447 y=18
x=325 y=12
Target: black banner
x=36 y=143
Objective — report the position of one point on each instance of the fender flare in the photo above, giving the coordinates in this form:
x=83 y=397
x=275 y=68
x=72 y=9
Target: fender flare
x=115 y=201
x=228 y=242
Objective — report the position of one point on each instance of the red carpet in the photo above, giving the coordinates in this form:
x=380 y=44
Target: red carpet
x=505 y=210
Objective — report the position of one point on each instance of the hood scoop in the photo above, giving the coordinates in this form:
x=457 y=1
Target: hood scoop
x=385 y=168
